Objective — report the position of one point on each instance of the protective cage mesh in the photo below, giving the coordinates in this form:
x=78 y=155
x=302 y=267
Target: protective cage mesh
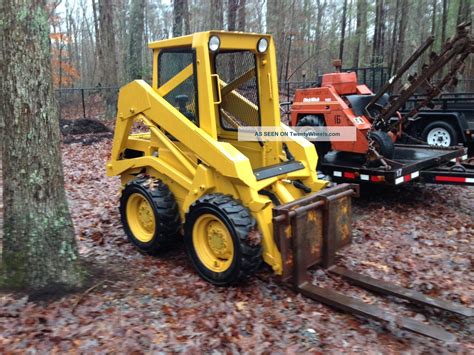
x=183 y=96
x=239 y=107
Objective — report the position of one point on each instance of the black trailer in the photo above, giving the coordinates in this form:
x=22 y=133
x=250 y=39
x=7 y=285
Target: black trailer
x=421 y=163
x=448 y=122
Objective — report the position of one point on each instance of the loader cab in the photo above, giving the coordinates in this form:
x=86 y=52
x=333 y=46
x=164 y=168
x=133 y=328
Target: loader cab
x=222 y=81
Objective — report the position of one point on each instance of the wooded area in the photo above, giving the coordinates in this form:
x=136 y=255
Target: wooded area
x=71 y=283
x=103 y=42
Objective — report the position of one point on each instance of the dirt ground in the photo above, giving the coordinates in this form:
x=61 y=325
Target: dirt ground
x=416 y=236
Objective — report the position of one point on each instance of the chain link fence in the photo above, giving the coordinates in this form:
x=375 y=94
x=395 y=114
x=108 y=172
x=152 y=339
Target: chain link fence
x=100 y=102
x=97 y=103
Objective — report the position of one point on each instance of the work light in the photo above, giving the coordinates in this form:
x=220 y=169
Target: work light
x=214 y=43
x=262 y=45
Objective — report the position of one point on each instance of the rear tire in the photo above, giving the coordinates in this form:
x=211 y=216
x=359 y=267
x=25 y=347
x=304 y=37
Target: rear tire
x=149 y=214
x=222 y=240
x=322 y=148
x=383 y=143
x=440 y=133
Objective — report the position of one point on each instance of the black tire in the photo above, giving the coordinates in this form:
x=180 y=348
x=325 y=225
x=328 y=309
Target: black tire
x=240 y=224
x=446 y=134
x=383 y=143
x=165 y=211
x=322 y=148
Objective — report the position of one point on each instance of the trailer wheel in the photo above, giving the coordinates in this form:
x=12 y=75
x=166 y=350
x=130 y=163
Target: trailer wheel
x=219 y=235
x=383 y=143
x=149 y=214
x=440 y=133
x=322 y=148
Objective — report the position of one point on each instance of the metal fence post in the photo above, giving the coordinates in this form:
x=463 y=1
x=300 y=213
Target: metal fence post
x=83 y=104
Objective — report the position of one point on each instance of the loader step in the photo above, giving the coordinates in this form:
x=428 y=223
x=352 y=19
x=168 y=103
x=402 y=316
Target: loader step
x=355 y=306
x=400 y=292
x=277 y=169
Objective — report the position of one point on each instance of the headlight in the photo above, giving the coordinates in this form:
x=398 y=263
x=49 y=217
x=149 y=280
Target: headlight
x=214 y=43
x=262 y=45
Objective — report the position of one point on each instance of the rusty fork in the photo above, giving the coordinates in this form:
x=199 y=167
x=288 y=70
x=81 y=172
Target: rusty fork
x=309 y=232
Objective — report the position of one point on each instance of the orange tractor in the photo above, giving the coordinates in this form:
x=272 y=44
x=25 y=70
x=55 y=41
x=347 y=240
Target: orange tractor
x=340 y=101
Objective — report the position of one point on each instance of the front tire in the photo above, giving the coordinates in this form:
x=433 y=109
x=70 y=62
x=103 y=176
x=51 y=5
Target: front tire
x=440 y=133
x=222 y=240
x=383 y=143
x=149 y=214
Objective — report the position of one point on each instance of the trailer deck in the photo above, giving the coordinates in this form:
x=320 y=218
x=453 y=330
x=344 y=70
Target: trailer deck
x=410 y=162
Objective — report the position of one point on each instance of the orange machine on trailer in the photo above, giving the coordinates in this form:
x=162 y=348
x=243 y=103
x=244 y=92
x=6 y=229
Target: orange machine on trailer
x=375 y=156
x=340 y=101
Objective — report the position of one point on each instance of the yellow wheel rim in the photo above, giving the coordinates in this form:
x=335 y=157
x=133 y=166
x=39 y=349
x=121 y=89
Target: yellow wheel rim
x=140 y=218
x=213 y=243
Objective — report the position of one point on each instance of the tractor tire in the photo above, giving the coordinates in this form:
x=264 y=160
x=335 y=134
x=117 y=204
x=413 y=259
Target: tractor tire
x=322 y=148
x=383 y=143
x=440 y=133
x=221 y=238
x=149 y=214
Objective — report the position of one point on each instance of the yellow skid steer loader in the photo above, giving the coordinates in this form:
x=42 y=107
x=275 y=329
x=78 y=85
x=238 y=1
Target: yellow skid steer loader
x=237 y=202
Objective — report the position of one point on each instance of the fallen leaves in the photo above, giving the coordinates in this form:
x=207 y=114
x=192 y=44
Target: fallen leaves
x=417 y=236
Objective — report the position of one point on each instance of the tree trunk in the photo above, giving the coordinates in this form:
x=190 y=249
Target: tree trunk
x=276 y=11
x=343 y=31
x=217 y=14
x=401 y=36
x=39 y=248
x=321 y=7
x=358 y=33
x=96 y=25
x=177 y=17
x=135 y=45
x=394 y=38
x=433 y=19
x=378 y=32
x=232 y=14
x=108 y=55
x=464 y=12
x=241 y=16
x=186 y=19
x=181 y=25
x=444 y=20
x=364 y=47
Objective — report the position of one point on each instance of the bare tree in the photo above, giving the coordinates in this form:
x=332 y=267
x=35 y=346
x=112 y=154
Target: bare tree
x=181 y=22
x=217 y=14
x=377 y=44
x=444 y=21
x=464 y=11
x=107 y=55
x=394 y=36
x=241 y=16
x=399 y=48
x=343 y=30
x=39 y=248
x=135 y=46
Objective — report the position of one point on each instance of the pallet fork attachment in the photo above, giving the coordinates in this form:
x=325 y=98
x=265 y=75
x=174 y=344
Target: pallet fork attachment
x=303 y=243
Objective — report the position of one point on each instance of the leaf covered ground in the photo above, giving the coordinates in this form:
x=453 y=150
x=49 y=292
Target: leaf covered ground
x=416 y=236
